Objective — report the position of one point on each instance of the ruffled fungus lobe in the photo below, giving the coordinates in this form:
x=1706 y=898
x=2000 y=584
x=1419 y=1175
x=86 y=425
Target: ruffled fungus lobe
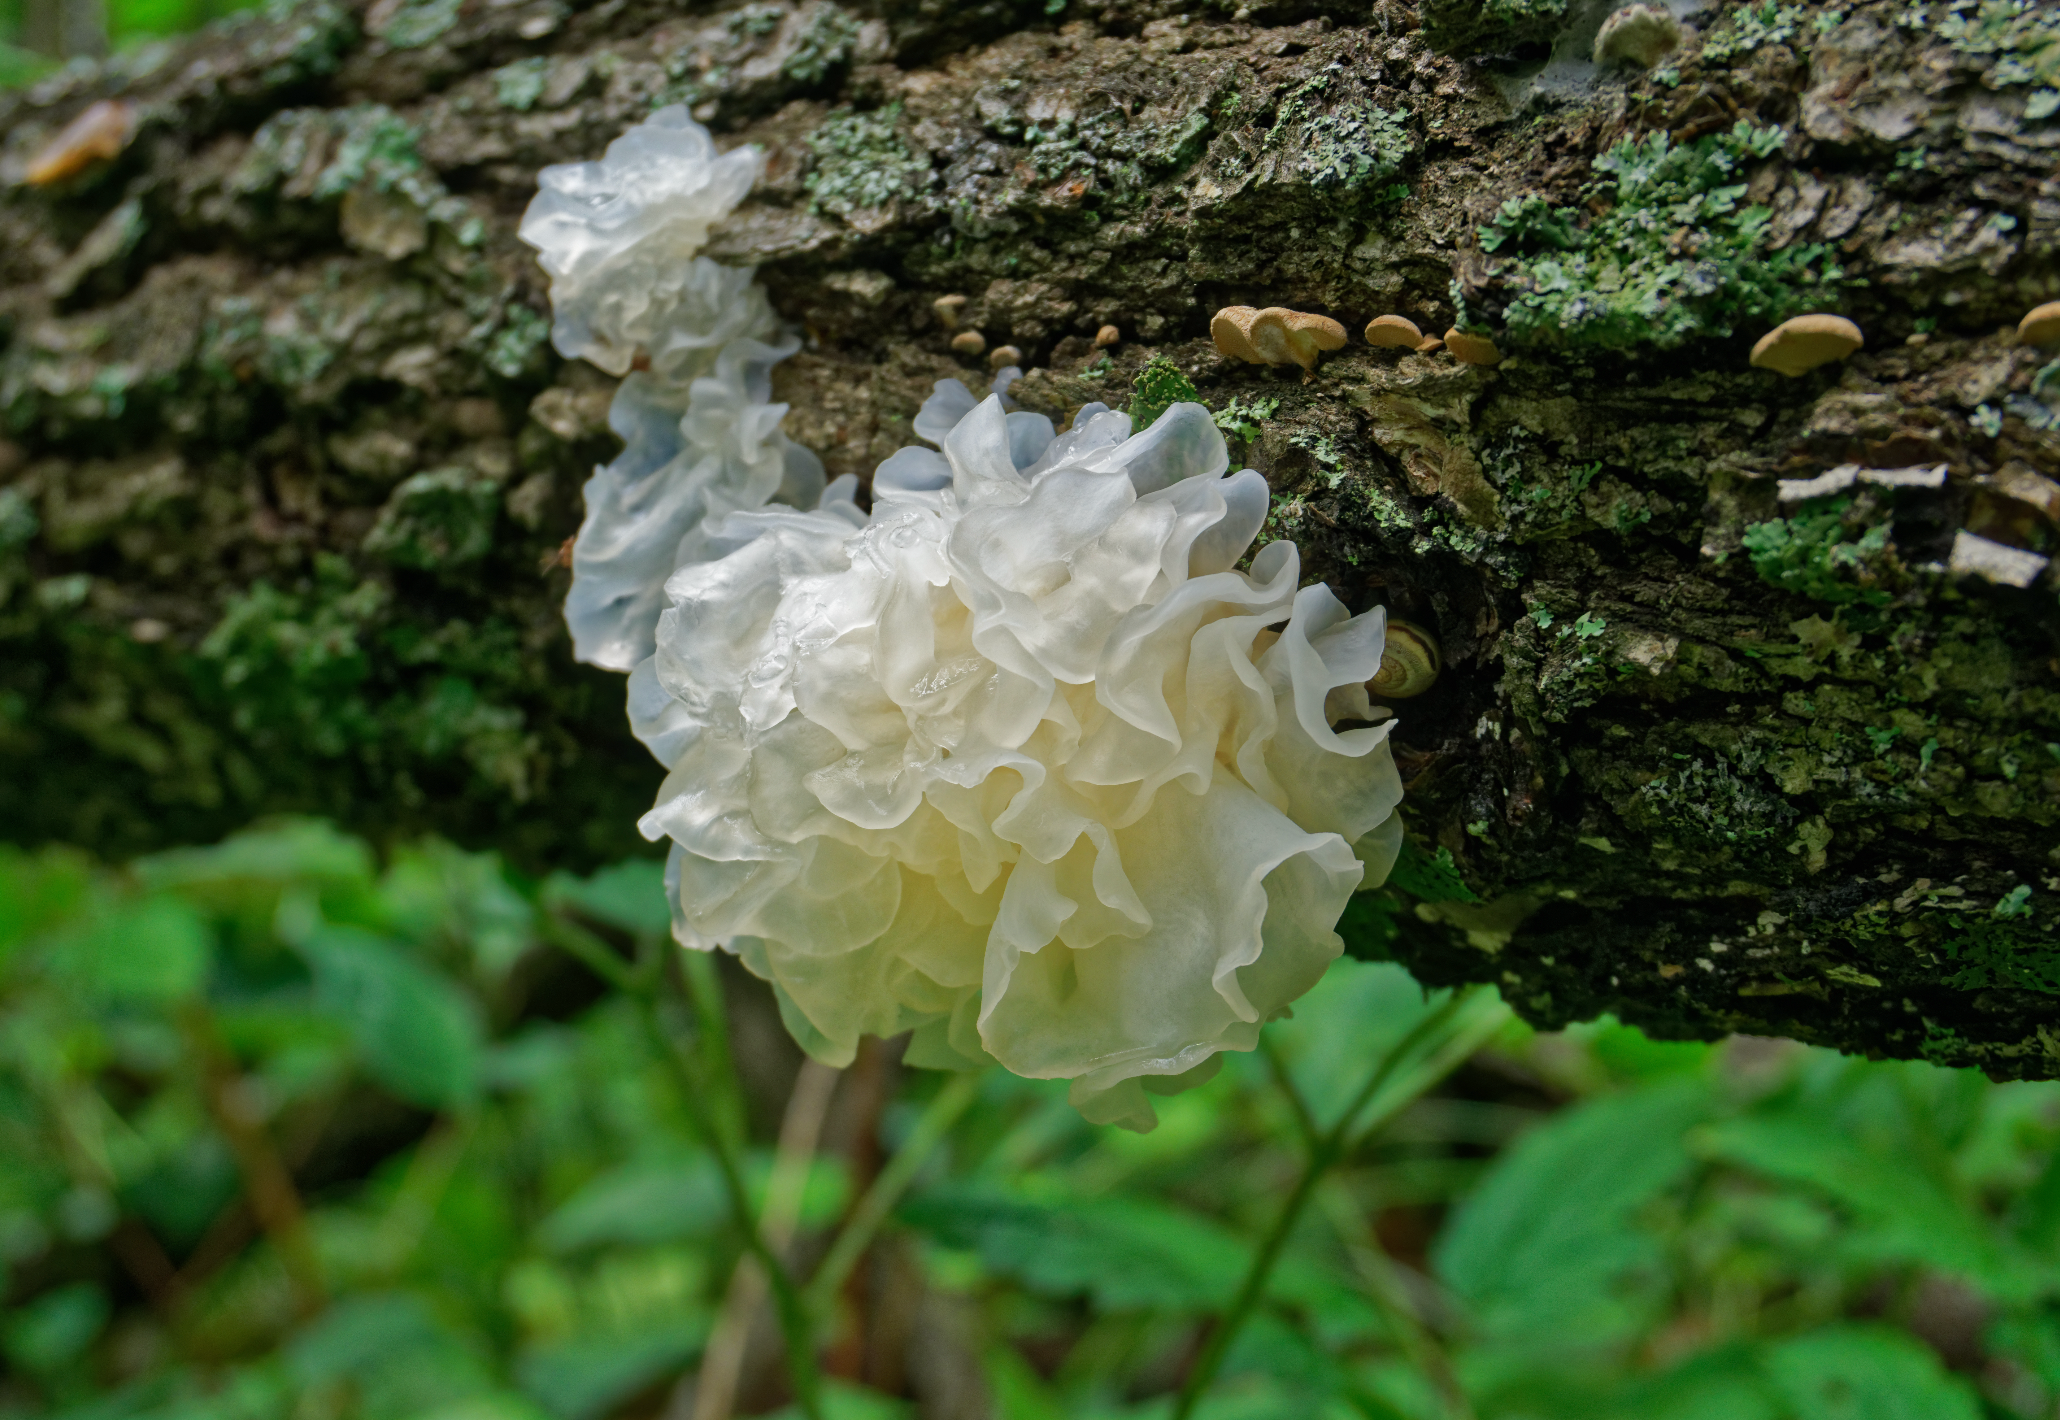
x=1275 y=335
x=2041 y=325
x=98 y=134
x=1637 y=34
x=619 y=238
x=1023 y=763
x=1799 y=345
x=1397 y=331
x=1471 y=349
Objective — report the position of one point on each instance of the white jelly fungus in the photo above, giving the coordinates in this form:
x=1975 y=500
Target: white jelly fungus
x=1020 y=760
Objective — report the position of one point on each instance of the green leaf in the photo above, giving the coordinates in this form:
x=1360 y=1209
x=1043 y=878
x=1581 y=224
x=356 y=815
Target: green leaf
x=580 y=1377
x=641 y=1202
x=1906 y=1215
x=415 y=1033
x=38 y=893
x=1545 y=1249
x=629 y=896
x=152 y=951
x=391 y=1349
x=1124 y=1253
x=286 y=851
x=48 y=1334
x=1867 y=1373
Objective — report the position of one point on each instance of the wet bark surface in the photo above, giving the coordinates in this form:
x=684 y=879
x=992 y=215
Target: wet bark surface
x=289 y=463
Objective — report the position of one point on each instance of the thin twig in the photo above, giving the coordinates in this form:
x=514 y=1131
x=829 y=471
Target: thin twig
x=931 y=1126
x=274 y=1200
x=696 y=1091
x=801 y=1128
x=1452 y=1032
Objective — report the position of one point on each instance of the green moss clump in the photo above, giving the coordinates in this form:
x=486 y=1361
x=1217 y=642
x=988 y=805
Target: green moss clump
x=292 y=666
x=862 y=161
x=1823 y=552
x=1466 y=27
x=823 y=47
x=1673 y=257
x=442 y=518
x=1157 y=388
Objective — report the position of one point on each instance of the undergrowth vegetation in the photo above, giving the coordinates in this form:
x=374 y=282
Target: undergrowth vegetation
x=288 y=1131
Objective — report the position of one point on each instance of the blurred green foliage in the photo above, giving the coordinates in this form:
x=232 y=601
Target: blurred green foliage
x=286 y=1131
x=130 y=23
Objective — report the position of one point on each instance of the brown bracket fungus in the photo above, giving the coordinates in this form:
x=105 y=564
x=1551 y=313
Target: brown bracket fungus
x=1637 y=34
x=96 y=135
x=969 y=342
x=1105 y=337
x=1430 y=345
x=1398 y=331
x=1409 y=663
x=2041 y=325
x=1799 y=345
x=1274 y=336
x=1471 y=349
x=947 y=308
x=1003 y=356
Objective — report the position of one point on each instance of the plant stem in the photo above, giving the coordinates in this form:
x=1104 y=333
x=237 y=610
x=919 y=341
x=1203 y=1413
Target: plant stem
x=1434 y=1046
x=696 y=1090
x=936 y=1120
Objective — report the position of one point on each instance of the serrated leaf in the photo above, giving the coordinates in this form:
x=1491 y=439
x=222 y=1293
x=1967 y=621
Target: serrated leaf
x=1545 y=1249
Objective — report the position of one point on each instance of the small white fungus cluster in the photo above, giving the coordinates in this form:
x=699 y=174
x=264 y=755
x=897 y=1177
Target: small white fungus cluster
x=1019 y=761
x=620 y=238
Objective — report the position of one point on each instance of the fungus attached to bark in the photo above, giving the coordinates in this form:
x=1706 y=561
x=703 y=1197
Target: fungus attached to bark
x=1275 y=335
x=1430 y=345
x=947 y=309
x=1003 y=356
x=1105 y=337
x=1471 y=349
x=2041 y=325
x=969 y=342
x=99 y=133
x=1397 y=331
x=1799 y=345
x=1637 y=34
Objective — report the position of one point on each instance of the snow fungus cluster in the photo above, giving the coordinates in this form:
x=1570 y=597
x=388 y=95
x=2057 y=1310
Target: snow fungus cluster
x=1018 y=760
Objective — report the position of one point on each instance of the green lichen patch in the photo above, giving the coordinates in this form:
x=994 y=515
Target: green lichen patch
x=861 y=162
x=1835 y=550
x=421 y=22
x=1749 y=26
x=439 y=519
x=1701 y=804
x=2018 y=39
x=519 y=85
x=1157 y=388
x=823 y=46
x=1344 y=145
x=1674 y=255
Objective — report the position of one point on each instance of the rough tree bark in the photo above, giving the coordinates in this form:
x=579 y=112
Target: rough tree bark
x=289 y=461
